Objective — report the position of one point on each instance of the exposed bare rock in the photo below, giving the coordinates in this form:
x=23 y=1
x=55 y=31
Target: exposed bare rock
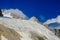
x=10 y=34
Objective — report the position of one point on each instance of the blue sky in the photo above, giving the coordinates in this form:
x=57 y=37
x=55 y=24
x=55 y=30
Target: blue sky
x=42 y=9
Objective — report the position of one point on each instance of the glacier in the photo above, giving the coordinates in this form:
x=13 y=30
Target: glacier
x=29 y=30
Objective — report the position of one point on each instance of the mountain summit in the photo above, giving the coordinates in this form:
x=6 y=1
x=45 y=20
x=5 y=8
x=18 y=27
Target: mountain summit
x=34 y=19
x=14 y=13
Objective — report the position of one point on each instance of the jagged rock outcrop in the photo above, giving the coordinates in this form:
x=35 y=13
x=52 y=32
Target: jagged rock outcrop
x=1 y=15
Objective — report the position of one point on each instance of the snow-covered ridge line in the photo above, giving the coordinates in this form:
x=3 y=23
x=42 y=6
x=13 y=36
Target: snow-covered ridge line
x=25 y=27
x=14 y=13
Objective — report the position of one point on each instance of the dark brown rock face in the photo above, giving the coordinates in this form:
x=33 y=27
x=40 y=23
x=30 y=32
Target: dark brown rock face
x=1 y=15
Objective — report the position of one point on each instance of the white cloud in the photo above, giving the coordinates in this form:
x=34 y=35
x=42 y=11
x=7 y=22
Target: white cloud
x=53 y=20
x=14 y=13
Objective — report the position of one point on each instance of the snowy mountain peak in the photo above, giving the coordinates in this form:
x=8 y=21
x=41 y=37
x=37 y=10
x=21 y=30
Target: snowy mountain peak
x=14 y=13
x=33 y=19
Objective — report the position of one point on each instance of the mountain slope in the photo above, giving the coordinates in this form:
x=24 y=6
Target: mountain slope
x=9 y=33
x=29 y=30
